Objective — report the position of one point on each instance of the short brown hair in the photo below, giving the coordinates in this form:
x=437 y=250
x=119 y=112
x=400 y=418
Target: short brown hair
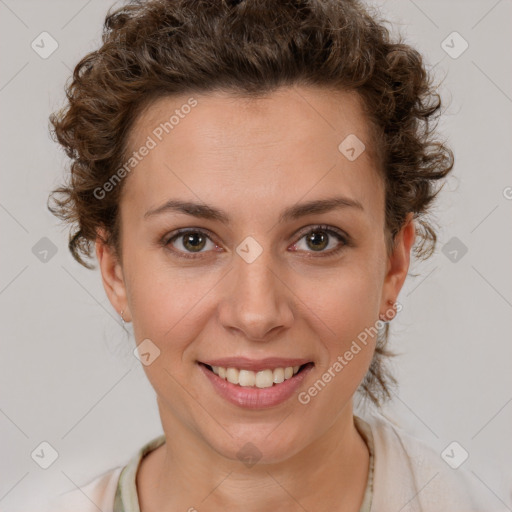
x=157 y=48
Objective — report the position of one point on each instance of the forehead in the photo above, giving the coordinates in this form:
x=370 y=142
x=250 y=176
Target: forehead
x=288 y=113
x=286 y=143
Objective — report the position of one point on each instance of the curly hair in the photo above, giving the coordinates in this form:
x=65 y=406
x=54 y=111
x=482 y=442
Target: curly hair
x=155 y=48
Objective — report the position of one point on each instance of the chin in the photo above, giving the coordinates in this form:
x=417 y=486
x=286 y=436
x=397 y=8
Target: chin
x=266 y=444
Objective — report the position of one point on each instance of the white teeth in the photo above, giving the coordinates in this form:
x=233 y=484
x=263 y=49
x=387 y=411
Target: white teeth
x=261 y=379
x=246 y=378
x=264 y=379
x=278 y=375
x=232 y=375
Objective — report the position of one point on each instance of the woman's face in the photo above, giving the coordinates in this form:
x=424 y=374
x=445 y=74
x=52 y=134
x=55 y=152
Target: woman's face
x=255 y=283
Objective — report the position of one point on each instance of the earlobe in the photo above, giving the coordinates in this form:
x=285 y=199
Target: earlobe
x=398 y=264
x=112 y=275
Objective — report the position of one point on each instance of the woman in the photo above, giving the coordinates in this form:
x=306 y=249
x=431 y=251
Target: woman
x=253 y=177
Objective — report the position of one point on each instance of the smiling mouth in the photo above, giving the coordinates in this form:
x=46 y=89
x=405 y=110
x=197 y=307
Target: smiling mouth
x=266 y=378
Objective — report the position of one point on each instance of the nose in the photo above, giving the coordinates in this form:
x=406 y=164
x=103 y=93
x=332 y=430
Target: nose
x=257 y=301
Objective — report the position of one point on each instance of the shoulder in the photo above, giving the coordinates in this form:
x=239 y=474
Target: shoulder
x=412 y=476
x=96 y=495
x=113 y=489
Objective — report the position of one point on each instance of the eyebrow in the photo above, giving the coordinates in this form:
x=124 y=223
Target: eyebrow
x=205 y=211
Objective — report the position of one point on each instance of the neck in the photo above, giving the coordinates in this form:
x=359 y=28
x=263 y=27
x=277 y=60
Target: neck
x=187 y=474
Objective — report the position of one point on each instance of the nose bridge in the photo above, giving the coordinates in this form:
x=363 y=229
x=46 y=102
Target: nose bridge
x=256 y=301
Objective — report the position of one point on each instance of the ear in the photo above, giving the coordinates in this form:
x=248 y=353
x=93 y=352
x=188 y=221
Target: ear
x=112 y=275
x=397 y=267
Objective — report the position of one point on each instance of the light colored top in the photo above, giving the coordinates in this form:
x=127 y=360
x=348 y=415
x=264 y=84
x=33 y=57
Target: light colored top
x=405 y=475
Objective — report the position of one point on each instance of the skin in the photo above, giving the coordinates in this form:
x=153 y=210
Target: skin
x=252 y=159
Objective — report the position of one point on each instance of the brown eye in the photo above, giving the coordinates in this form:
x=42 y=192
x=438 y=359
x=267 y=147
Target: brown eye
x=317 y=240
x=189 y=242
x=194 y=241
x=322 y=239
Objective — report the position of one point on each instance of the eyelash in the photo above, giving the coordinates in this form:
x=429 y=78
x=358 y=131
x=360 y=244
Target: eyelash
x=339 y=235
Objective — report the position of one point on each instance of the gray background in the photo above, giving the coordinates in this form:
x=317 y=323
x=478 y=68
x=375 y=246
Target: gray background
x=67 y=372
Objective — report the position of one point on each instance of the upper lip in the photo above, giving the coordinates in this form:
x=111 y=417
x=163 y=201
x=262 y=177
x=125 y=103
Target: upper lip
x=244 y=363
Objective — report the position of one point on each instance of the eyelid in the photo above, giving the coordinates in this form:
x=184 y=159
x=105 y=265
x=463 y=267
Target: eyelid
x=324 y=227
x=343 y=237
x=182 y=231
x=339 y=234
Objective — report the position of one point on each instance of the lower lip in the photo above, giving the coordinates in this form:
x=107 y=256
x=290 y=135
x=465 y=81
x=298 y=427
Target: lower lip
x=256 y=398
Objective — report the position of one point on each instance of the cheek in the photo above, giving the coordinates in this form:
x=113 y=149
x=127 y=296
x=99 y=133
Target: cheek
x=161 y=305
x=347 y=301
x=168 y=311
x=344 y=315
x=346 y=309
x=168 y=305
